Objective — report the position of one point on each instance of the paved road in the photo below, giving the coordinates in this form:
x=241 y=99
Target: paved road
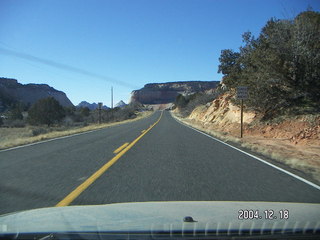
x=169 y=162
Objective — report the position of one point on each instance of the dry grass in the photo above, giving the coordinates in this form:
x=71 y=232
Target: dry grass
x=277 y=149
x=292 y=157
x=12 y=137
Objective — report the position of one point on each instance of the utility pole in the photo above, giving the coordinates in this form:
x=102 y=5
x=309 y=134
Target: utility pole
x=111 y=97
x=100 y=107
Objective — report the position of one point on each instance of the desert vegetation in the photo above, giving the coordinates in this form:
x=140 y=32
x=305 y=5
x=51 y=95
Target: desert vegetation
x=280 y=66
x=46 y=118
x=186 y=104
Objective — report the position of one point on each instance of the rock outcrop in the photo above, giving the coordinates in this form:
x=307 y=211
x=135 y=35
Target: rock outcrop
x=162 y=93
x=29 y=93
x=221 y=112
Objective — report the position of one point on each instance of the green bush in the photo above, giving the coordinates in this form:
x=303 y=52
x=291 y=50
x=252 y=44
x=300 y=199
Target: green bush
x=85 y=111
x=16 y=112
x=46 y=111
x=17 y=123
x=39 y=131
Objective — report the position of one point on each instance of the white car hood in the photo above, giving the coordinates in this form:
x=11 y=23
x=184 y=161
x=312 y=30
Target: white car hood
x=160 y=216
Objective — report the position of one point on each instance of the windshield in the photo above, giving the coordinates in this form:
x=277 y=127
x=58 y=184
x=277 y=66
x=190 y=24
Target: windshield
x=140 y=101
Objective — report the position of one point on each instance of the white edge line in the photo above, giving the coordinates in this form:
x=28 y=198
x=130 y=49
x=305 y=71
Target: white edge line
x=57 y=138
x=261 y=160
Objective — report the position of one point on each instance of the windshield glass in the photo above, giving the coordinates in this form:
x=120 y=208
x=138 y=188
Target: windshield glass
x=140 y=101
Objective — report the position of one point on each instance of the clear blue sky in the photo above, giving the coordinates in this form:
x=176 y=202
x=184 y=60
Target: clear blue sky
x=132 y=41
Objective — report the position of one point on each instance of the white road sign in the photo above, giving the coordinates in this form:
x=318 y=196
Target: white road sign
x=242 y=92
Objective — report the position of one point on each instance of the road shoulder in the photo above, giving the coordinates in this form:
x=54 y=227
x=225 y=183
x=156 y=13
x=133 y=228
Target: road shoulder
x=273 y=153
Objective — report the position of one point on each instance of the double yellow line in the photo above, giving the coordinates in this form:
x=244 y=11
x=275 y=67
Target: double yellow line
x=120 y=152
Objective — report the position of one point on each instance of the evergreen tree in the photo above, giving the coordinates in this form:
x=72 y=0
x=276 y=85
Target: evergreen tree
x=46 y=111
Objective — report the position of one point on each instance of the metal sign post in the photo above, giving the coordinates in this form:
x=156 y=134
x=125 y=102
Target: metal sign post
x=242 y=93
x=241 y=128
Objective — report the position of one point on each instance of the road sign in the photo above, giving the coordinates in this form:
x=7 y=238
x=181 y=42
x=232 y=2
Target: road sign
x=242 y=92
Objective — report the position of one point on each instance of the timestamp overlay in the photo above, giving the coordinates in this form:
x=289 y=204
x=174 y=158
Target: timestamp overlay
x=267 y=214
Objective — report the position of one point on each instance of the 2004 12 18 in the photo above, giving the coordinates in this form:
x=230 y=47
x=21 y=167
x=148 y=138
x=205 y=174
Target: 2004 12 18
x=268 y=214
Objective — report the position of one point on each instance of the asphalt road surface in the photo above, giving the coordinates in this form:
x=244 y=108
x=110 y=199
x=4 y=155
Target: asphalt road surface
x=160 y=160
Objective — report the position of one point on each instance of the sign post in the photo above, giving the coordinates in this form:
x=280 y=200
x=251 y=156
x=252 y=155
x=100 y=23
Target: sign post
x=241 y=128
x=242 y=93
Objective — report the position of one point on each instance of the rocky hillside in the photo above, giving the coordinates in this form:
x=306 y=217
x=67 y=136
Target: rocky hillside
x=162 y=93
x=12 y=91
x=222 y=113
x=225 y=116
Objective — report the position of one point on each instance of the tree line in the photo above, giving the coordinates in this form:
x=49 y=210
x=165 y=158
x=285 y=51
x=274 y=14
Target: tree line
x=49 y=112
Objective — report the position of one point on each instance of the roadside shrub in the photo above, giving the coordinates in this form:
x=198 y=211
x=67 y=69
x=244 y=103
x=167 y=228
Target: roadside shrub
x=39 y=131
x=120 y=114
x=68 y=121
x=16 y=123
x=15 y=114
x=181 y=101
x=187 y=104
x=46 y=111
x=85 y=111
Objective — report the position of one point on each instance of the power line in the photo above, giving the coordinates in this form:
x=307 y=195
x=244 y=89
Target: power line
x=64 y=67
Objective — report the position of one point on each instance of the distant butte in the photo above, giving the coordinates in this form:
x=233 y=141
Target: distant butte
x=29 y=93
x=163 y=93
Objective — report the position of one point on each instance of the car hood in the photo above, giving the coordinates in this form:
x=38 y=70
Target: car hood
x=162 y=216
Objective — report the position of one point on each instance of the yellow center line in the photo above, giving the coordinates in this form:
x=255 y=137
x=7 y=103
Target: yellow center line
x=121 y=147
x=143 y=131
x=76 y=192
